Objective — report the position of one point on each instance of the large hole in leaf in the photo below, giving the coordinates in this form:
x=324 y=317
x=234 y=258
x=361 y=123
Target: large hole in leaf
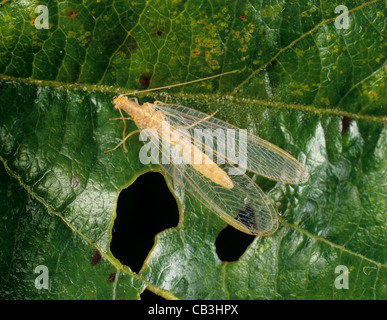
x=232 y=243
x=143 y=209
x=149 y=295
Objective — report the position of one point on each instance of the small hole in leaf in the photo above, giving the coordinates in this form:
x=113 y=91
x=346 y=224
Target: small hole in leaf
x=149 y=295
x=143 y=209
x=232 y=243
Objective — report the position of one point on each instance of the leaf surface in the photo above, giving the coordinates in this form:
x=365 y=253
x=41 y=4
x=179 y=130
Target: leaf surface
x=314 y=90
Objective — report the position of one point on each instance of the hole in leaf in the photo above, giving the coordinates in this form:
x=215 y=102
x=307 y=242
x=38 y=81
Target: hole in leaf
x=232 y=243
x=149 y=295
x=143 y=209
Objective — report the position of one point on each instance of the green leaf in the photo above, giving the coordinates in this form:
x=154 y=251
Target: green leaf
x=316 y=91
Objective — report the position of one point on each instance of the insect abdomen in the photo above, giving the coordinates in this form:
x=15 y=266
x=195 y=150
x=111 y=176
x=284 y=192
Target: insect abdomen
x=206 y=166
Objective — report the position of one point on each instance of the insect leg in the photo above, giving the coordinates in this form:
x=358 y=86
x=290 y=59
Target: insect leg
x=134 y=99
x=123 y=141
x=160 y=102
x=124 y=130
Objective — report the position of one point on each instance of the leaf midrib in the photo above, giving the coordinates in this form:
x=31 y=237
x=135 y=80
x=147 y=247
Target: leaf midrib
x=199 y=97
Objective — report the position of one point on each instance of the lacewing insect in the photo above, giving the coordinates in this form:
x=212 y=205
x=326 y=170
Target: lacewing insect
x=220 y=185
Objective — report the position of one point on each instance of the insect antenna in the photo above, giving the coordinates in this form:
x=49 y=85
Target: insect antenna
x=181 y=84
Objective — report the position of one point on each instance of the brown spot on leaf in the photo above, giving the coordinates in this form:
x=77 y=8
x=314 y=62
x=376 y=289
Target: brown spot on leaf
x=96 y=258
x=345 y=123
x=145 y=81
x=112 y=277
x=272 y=63
x=72 y=14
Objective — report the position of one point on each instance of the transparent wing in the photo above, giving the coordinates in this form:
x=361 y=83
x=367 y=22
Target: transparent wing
x=262 y=158
x=244 y=206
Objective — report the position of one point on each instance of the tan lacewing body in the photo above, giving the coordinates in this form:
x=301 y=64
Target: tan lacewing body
x=146 y=117
x=234 y=198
